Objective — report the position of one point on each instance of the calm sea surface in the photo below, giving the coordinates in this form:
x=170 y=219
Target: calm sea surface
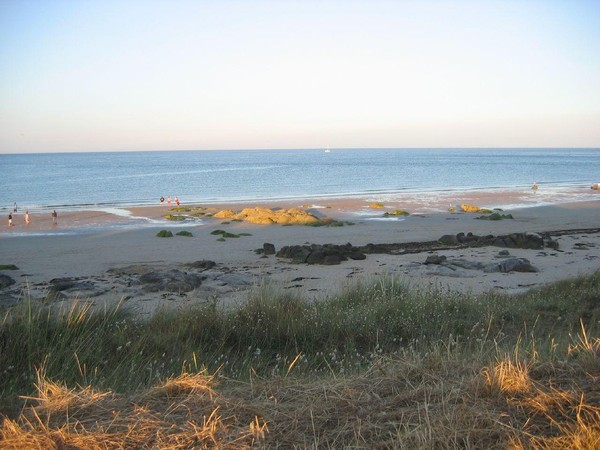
x=81 y=180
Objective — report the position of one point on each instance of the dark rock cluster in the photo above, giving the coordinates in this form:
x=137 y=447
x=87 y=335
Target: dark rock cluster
x=507 y=265
x=173 y=280
x=328 y=254
x=532 y=241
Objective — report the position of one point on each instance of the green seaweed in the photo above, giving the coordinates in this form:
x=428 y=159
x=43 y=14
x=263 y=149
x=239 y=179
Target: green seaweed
x=172 y=217
x=224 y=234
x=185 y=233
x=496 y=216
x=397 y=212
x=164 y=234
x=8 y=267
x=328 y=223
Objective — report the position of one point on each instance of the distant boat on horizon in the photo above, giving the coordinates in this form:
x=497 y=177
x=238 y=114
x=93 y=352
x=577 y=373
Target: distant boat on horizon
x=328 y=150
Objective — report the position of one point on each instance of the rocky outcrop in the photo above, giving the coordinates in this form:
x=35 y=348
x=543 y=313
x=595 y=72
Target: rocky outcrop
x=533 y=241
x=62 y=288
x=267 y=216
x=334 y=254
x=328 y=254
x=171 y=281
x=505 y=266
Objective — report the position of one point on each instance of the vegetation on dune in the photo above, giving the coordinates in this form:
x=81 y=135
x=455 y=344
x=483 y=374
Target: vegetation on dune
x=380 y=365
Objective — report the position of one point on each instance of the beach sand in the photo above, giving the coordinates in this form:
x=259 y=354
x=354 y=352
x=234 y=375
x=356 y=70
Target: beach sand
x=103 y=254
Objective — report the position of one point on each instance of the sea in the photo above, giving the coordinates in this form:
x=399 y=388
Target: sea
x=105 y=180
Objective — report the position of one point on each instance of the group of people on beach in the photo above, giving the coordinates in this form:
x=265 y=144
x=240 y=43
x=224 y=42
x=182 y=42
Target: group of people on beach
x=27 y=217
x=162 y=200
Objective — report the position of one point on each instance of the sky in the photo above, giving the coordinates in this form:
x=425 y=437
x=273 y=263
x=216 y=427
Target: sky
x=191 y=75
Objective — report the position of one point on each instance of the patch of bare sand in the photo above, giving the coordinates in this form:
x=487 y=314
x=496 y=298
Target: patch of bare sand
x=90 y=256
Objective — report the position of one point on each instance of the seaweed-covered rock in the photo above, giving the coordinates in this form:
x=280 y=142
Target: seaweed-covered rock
x=495 y=216
x=164 y=234
x=174 y=217
x=184 y=233
x=396 y=212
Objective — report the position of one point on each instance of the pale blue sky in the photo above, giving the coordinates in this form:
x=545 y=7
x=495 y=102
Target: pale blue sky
x=159 y=75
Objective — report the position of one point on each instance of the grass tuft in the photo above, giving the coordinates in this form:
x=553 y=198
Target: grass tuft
x=379 y=365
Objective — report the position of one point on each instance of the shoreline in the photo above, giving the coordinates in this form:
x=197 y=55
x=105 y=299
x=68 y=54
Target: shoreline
x=94 y=218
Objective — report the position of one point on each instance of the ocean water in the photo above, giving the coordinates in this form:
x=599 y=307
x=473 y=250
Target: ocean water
x=117 y=179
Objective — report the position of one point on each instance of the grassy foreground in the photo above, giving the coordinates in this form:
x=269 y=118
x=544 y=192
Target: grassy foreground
x=378 y=366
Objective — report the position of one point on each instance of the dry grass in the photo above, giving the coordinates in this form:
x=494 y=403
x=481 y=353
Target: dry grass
x=399 y=403
x=182 y=413
x=527 y=383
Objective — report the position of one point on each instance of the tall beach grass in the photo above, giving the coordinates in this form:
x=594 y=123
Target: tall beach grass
x=380 y=365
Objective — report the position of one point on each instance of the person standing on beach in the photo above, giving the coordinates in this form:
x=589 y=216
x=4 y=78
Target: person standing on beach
x=177 y=201
x=534 y=187
x=162 y=200
x=169 y=200
x=54 y=217
x=10 y=224
x=15 y=209
x=27 y=218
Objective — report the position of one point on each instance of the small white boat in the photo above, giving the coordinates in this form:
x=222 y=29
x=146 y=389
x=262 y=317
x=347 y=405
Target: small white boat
x=327 y=150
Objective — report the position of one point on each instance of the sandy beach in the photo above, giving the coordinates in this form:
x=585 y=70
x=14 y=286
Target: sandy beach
x=103 y=256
